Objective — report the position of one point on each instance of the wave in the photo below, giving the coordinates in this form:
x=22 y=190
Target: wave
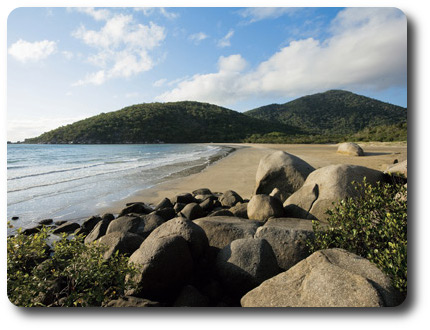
x=54 y=171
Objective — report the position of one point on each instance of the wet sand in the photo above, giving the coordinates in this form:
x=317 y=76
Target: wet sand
x=237 y=170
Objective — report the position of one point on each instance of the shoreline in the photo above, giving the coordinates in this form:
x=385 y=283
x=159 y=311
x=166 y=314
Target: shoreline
x=236 y=171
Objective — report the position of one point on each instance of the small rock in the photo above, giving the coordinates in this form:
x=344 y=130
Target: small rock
x=209 y=204
x=165 y=203
x=46 y=222
x=59 y=222
x=202 y=191
x=277 y=194
x=192 y=211
x=67 y=227
x=32 y=230
x=140 y=208
x=240 y=210
x=90 y=223
x=184 y=198
x=178 y=207
x=99 y=229
x=230 y=198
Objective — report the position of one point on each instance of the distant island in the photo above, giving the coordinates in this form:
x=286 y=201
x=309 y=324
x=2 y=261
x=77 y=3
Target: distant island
x=329 y=117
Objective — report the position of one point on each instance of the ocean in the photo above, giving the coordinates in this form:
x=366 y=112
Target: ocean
x=72 y=182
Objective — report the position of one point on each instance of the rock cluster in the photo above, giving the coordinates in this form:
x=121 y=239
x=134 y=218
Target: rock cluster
x=217 y=249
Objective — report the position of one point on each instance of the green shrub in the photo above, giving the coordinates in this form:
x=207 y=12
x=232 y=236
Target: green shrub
x=71 y=273
x=373 y=225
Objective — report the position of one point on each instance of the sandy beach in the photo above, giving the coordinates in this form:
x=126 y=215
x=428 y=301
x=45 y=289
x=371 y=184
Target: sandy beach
x=237 y=170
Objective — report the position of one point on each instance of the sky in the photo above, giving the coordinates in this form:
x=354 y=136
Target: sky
x=67 y=64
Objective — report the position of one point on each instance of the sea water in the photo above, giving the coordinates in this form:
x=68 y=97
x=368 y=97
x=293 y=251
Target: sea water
x=71 y=182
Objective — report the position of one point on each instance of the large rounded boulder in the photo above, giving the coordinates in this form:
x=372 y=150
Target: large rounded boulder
x=283 y=171
x=222 y=230
x=124 y=243
x=127 y=223
x=327 y=278
x=350 y=149
x=165 y=265
x=326 y=186
x=246 y=263
x=192 y=233
x=288 y=238
x=263 y=207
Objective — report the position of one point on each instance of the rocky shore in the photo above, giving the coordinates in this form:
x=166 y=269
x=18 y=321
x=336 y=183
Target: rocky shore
x=204 y=248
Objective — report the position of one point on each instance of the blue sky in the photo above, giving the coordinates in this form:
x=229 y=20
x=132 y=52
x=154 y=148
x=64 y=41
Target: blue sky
x=66 y=64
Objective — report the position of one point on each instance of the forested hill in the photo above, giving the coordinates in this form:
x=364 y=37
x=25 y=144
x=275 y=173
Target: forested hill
x=333 y=112
x=175 y=122
x=330 y=116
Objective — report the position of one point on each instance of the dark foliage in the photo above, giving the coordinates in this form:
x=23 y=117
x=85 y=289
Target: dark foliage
x=177 y=122
x=335 y=112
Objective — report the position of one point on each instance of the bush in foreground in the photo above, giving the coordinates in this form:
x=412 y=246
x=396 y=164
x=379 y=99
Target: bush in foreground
x=70 y=273
x=373 y=226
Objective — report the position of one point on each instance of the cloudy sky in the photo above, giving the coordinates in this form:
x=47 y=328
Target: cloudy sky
x=66 y=64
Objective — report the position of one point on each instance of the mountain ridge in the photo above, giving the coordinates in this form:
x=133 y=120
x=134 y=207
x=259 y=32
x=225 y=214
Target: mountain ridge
x=334 y=112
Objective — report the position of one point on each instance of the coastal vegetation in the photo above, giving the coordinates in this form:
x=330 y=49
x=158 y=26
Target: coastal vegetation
x=330 y=117
x=382 y=133
x=68 y=273
x=372 y=225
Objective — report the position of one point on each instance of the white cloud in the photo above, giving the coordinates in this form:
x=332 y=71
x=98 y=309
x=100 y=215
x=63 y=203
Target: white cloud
x=148 y=11
x=256 y=14
x=159 y=82
x=25 y=51
x=97 y=14
x=367 y=50
x=221 y=87
x=67 y=54
x=122 y=48
x=96 y=78
x=225 y=41
x=197 y=37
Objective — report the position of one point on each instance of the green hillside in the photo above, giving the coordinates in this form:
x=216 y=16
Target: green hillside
x=332 y=116
x=176 y=122
x=334 y=112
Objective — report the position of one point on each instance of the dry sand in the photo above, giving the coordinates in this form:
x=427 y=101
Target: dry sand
x=237 y=170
